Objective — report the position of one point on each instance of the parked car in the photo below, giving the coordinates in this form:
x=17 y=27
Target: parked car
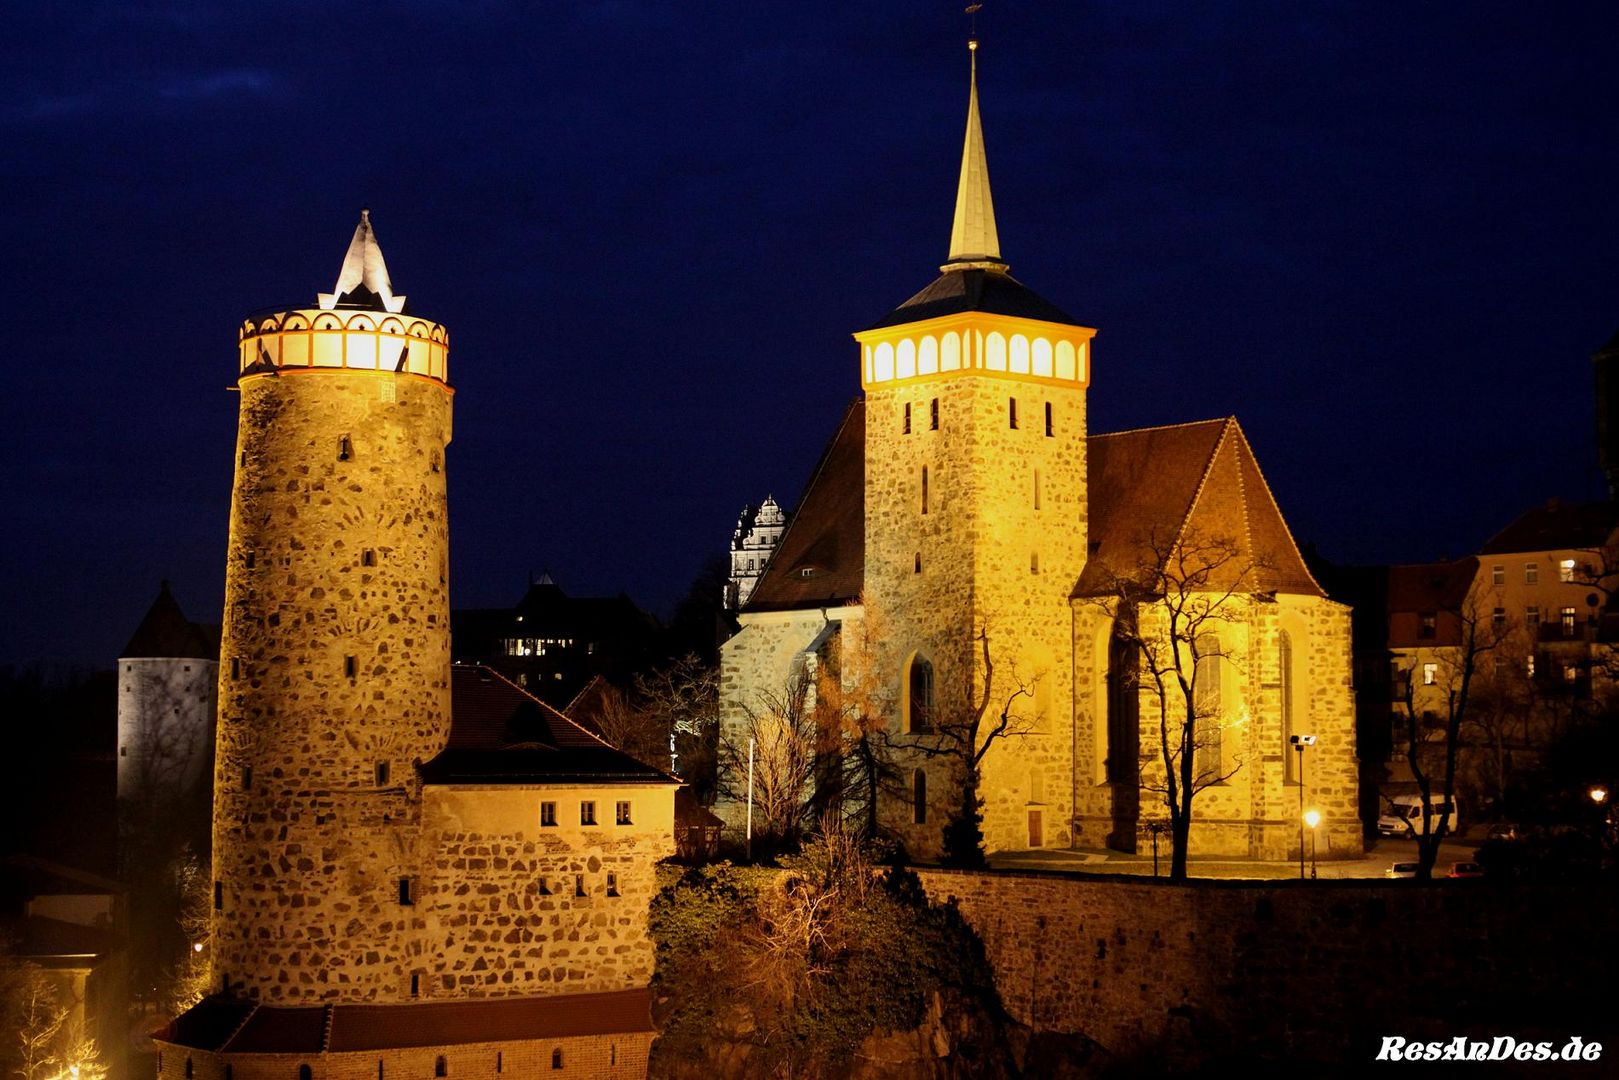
x=1465 y=869
x=1503 y=830
x=1402 y=870
x=1403 y=818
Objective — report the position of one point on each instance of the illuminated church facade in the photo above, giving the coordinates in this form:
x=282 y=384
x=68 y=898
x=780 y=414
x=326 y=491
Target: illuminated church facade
x=967 y=535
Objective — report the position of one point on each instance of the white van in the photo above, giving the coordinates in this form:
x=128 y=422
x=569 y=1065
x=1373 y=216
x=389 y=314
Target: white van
x=1403 y=818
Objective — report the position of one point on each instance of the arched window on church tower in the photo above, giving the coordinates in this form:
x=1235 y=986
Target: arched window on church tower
x=919 y=695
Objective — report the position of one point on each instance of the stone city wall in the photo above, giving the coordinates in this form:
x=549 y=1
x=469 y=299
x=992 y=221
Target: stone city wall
x=1299 y=971
x=594 y=1057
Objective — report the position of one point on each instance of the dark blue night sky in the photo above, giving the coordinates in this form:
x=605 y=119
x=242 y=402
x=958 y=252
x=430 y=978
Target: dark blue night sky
x=1384 y=235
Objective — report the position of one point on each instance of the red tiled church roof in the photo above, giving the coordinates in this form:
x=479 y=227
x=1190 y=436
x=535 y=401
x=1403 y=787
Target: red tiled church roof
x=827 y=536
x=1199 y=479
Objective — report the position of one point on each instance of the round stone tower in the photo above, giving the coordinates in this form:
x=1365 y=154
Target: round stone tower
x=335 y=651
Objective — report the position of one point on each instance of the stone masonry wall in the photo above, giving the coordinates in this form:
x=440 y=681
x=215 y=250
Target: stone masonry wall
x=999 y=551
x=1286 y=969
x=334 y=661
x=501 y=898
x=596 y=1057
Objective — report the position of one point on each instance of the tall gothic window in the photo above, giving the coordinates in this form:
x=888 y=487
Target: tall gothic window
x=1209 y=672
x=1284 y=662
x=919 y=698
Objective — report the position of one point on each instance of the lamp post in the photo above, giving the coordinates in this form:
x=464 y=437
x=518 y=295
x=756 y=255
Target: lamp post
x=1312 y=818
x=1299 y=743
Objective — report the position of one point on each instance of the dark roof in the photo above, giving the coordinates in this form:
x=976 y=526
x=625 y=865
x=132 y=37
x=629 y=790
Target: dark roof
x=232 y=1026
x=500 y=733
x=35 y=937
x=1556 y=526
x=1147 y=487
x=165 y=631
x=1433 y=587
x=827 y=535
x=991 y=291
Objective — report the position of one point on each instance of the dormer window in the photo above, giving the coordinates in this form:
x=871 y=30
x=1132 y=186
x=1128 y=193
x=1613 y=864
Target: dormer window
x=806 y=572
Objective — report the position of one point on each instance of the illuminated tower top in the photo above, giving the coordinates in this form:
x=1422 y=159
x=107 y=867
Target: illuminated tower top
x=363 y=281
x=362 y=324
x=975 y=318
x=973 y=240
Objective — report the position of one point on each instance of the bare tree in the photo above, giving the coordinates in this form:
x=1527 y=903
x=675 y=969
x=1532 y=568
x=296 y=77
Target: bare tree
x=771 y=762
x=34 y=1017
x=1436 y=691
x=668 y=717
x=1169 y=612
x=963 y=735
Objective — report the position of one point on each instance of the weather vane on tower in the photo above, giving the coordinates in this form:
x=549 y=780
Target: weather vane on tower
x=972 y=25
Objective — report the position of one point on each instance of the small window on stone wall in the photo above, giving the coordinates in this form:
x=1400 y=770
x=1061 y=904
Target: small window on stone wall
x=548 y=815
x=578 y=884
x=350 y=667
x=918 y=569
x=247 y=778
x=248 y=559
x=906 y=430
x=612 y=1053
x=368 y=557
x=612 y=884
x=235 y=668
x=345 y=448
x=406 y=894
x=441 y=1067
x=382 y=774
x=305 y=1073
x=415 y=986
x=500 y=1062
x=556 y=1058
x=230 y=1073
x=188 y=1067
x=379 y=1069
x=545 y=886
x=587 y=813
x=622 y=814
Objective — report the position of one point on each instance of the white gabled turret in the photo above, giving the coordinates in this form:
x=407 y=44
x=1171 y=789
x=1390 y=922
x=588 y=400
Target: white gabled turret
x=363 y=281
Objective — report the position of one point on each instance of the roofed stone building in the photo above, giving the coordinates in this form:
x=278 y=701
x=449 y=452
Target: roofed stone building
x=758 y=531
x=419 y=869
x=964 y=503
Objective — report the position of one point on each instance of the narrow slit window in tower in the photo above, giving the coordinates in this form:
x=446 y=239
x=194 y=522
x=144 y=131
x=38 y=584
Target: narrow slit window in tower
x=1050 y=426
x=349 y=667
x=1011 y=412
x=1037 y=489
x=345 y=448
x=933 y=414
x=578 y=884
x=1034 y=562
x=441 y=1067
x=919 y=797
x=924 y=489
x=247 y=778
x=405 y=896
x=248 y=560
x=219 y=896
x=382 y=774
x=918 y=569
x=415 y=985
x=556 y=1058
x=235 y=668
x=906 y=430
x=368 y=557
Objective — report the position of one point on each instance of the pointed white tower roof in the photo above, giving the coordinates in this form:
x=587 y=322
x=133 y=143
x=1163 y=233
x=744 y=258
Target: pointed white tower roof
x=363 y=281
x=973 y=239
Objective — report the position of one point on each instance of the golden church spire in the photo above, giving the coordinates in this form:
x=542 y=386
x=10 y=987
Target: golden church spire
x=973 y=240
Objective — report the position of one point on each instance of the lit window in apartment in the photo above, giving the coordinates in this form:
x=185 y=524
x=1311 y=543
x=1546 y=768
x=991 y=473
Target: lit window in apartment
x=1498 y=575
x=1531 y=573
x=1498 y=617
x=1567 y=616
x=1570 y=673
x=1531 y=616
x=1529 y=668
x=1428 y=625
x=1565 y=570
x=1430 y=674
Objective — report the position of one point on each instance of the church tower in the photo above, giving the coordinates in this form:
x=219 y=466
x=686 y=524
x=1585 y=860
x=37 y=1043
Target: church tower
x=335 y=654
x=975 y=496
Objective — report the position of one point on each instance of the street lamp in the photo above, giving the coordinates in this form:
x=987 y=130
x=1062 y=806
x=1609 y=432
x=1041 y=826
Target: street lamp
x=1299 y=743
x=1312 y=818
